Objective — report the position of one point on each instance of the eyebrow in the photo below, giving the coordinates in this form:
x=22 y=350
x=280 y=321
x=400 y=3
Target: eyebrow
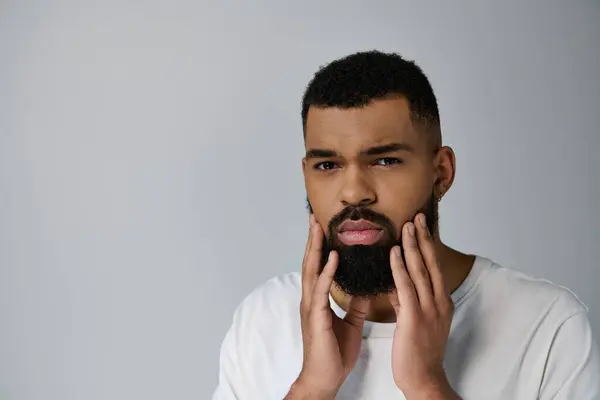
x=371 y=151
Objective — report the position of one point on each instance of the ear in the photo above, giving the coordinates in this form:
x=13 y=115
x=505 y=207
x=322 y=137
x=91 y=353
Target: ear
x=304 y=166
x=444 y=171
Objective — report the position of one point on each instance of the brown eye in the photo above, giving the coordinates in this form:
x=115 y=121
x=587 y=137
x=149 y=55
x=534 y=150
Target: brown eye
x=388 y=161
x=325 y=166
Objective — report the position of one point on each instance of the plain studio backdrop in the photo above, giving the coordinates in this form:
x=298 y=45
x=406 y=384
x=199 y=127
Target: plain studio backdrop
x=150 y=167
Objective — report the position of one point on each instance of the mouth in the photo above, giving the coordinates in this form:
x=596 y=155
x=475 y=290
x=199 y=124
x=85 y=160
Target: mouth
x=359 y=232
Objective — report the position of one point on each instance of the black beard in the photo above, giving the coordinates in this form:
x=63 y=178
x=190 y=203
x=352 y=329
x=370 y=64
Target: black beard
x=365 y=270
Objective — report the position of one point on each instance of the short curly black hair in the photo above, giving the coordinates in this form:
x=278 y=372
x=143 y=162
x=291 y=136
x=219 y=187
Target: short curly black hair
x=356 y=79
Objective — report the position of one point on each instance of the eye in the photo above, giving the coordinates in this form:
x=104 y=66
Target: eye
x=388 y=161
x=325 y=166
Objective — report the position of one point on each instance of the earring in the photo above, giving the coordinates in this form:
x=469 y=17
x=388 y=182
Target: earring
x=439 y=198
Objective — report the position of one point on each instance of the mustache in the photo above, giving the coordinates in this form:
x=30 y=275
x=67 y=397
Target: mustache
x=355 y=213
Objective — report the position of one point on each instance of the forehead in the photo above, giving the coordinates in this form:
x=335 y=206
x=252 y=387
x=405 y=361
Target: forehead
x=381 y=121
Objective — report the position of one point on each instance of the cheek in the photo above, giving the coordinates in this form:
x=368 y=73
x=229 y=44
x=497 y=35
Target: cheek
x=403 y=189
x=323 y=213
x=323 y=204
x=401 y=202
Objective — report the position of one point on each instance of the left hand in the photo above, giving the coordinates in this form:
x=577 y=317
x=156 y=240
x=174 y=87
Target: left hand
x=424 y=311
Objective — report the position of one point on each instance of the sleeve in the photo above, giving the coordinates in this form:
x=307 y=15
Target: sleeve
x=229 y=385
x=572 y=369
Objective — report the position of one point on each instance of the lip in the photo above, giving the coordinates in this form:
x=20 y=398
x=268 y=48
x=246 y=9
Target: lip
x=360 y=225
x=359 y=232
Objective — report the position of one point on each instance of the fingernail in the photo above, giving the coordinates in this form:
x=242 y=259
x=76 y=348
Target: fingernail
x=421 y=219
x=311 y=219
x=396 y=251
x=411 y=229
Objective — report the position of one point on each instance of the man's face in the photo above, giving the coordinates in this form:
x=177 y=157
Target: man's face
x=367 y=172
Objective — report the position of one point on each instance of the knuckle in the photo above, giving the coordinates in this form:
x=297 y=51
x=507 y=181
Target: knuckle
x=423 y=271
x=429 y=260
x=416 y=317
x=406 y=286
x=412 y=245
x=431 y=313
x=447 y=306
x=420 y=272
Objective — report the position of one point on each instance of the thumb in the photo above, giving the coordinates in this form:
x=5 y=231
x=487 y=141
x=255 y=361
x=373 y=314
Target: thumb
x=357 y=311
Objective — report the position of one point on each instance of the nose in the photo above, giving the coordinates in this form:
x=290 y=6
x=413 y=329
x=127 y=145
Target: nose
x=357 y=189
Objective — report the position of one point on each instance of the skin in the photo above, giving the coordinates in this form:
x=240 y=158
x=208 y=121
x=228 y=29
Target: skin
x=396 y=183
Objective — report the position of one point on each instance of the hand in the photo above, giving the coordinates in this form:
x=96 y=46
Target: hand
x=331 y=345
x=424 y=312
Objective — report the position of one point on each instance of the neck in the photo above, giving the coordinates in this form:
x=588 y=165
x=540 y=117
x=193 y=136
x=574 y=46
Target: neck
x=455 y=267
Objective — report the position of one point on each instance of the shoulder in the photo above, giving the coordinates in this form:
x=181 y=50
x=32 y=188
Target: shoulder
x=525 y=291
x=546 y=322
x=273 y=293
x=263 y=343
x=276 y=299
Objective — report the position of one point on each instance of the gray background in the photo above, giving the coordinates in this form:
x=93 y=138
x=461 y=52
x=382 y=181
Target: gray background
x=150 y=167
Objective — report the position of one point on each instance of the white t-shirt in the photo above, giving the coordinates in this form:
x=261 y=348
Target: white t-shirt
x=512 y=337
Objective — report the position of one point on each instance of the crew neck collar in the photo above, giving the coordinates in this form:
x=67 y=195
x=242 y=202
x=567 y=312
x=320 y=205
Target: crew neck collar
x=386 y=329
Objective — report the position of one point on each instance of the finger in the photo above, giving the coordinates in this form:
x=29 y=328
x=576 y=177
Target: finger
x=320 y=295
x=357 y=311
x=306 y=286
x=405 y=295
x=430 y=259
x=393 y=297
x=311 y=221
x=416 y=269
x=312 y=263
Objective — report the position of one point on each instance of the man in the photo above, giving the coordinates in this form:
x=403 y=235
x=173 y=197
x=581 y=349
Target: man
x=383 y=309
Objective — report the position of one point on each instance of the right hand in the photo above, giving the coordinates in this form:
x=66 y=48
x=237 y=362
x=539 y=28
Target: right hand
x=331 y=344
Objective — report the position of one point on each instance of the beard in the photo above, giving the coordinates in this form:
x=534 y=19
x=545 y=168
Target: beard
x=365 y=270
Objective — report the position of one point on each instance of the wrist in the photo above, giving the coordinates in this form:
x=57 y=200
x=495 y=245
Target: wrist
x=302 y=390
x=432 y=394
x=437 y=390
